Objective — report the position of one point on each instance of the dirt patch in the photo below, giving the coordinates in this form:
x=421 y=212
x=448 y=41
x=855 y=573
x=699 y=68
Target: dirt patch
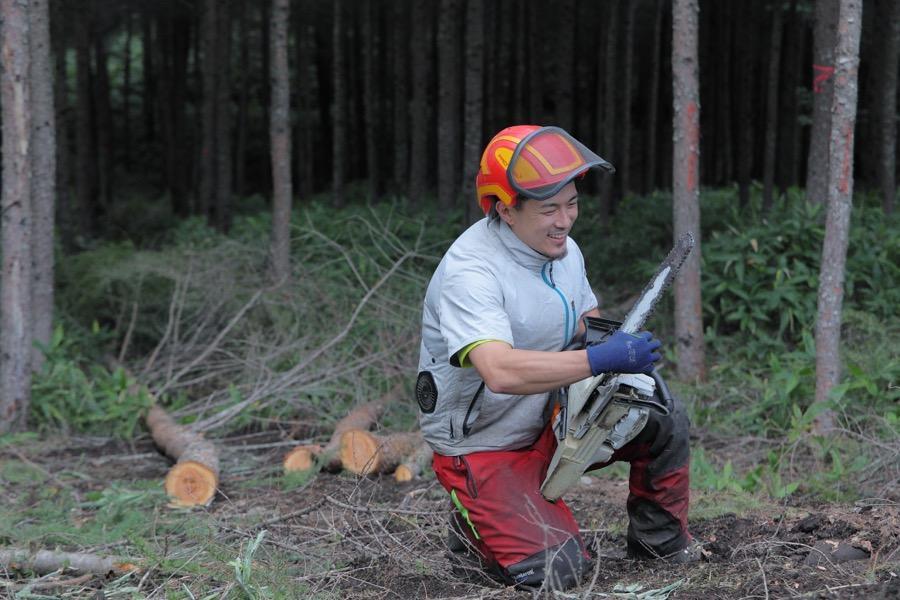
x=337 y=536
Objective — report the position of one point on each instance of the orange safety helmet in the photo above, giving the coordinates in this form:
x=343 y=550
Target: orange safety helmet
x=531 y=161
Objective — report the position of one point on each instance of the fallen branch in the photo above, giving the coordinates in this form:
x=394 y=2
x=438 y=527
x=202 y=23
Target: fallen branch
x=365 y=453
x=48 y=561
x=364 y=416
x=415 y=464
x=194 y=478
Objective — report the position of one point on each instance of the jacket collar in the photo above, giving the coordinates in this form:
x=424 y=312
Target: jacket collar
x=521 y=252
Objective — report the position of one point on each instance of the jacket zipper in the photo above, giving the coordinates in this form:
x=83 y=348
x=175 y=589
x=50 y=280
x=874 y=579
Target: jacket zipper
x=549 y=281
x=466 y=425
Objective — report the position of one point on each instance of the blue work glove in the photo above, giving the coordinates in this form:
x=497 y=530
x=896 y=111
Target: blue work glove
x=624 y=353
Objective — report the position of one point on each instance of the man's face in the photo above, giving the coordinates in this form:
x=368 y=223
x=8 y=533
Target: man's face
x=544 y=224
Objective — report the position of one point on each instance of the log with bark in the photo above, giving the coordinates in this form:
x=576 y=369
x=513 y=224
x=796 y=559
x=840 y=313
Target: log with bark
x=366 y=453
x=48 y=561
x=195 y=477
x=364 y=416
x=414 y=465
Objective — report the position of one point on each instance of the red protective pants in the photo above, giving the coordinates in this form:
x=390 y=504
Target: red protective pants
x=516 y=529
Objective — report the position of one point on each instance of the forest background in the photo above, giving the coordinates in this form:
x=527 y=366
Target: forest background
x=181 y=128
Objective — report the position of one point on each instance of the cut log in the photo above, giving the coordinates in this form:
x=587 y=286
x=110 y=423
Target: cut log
x=415 y=464
x=301 y=458
x=366 y=453
x=195 y=477
x=362 y=417
x=47 y=561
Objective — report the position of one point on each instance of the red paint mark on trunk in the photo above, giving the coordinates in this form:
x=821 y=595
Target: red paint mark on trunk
x=846 y=159
x=692 y=133
x=821 y=74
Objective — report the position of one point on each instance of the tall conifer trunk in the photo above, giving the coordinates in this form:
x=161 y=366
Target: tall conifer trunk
x=280 y=135
x=771 y=146
x=449 y=98
x=840 y=202
x=888 y=23
x=15 y=217
x=685 y=193
x=43 y=176
x=822 y=86
x=474 y=105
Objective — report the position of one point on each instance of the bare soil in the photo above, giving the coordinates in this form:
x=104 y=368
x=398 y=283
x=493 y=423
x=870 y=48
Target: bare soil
x=337 y=536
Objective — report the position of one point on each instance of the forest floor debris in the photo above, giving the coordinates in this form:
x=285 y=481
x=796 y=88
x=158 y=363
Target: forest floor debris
x=342 y=536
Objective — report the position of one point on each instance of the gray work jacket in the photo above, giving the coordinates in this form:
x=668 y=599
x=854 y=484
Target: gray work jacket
x=492 y=286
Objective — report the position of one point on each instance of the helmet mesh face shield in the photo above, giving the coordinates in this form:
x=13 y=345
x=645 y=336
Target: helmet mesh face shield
x=546 y=160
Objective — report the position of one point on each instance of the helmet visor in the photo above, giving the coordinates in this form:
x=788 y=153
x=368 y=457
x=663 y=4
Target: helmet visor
x=546 y=160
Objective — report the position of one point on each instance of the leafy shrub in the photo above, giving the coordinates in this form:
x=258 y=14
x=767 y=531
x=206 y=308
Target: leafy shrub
x=70 y=394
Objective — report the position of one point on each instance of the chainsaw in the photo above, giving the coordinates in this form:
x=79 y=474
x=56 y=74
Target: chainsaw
x=600 y=414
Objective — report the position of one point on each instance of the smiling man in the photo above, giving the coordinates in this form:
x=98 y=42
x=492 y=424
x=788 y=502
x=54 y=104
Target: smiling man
x=502 y=313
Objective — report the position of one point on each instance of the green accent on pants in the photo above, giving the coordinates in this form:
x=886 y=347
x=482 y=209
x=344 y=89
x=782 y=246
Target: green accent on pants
x=464 y=512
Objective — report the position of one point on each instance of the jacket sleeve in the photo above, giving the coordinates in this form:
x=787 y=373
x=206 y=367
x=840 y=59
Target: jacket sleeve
x=471 y=309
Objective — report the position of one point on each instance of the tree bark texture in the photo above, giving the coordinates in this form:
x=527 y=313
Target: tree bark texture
x=207 y=186
x=609 y=108
x=840 y=198
x=771 y=145
x=449 y=98
x=823 y=68
x=685 y=191
x=16 y=220
x=372 y=98
x=747 y=49
x=473 y=111
x=624 y=171
x=280 y=133
x=43 y=176
x=48 y=561
x=306 y=84
x=888 y=24
x=103 y=123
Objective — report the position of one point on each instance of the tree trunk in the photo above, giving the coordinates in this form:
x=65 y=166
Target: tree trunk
x=339 y=154
x=421 y=41
x=888 y=20
x=126 y=91
x=280 y=133
x=824 y=38
x=240 y=150
x=414 y=465
x=685 y=192
x=86 y=165
x=653 y=102
x=194 y=478
x=610 y=108
x=840 y=199
x=401 y=115
x=223 y=118
x=791 y=132
x=474 y=105
x=624 y=170
x=372 y=98
x=307 y=92
x=564 y=71
x=43 y=177
x=103 y=123
x=15 y=217
x=48 y=561
x=208 y=119
x=449 y=98
x=148 y=98
x=724 y=169
x=771 y=147
x=747 y=49
x=65 y=211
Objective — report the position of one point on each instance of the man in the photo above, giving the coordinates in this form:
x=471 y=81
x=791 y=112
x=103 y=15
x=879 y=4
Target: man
x=504 y=305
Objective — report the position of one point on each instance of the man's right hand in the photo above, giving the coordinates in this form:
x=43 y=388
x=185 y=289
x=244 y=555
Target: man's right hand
x=624 y=353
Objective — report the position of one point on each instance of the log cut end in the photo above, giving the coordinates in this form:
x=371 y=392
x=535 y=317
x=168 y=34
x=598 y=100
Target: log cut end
x=301 y=458
x=359 y=452
x=404 y=473
x=190 y=483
